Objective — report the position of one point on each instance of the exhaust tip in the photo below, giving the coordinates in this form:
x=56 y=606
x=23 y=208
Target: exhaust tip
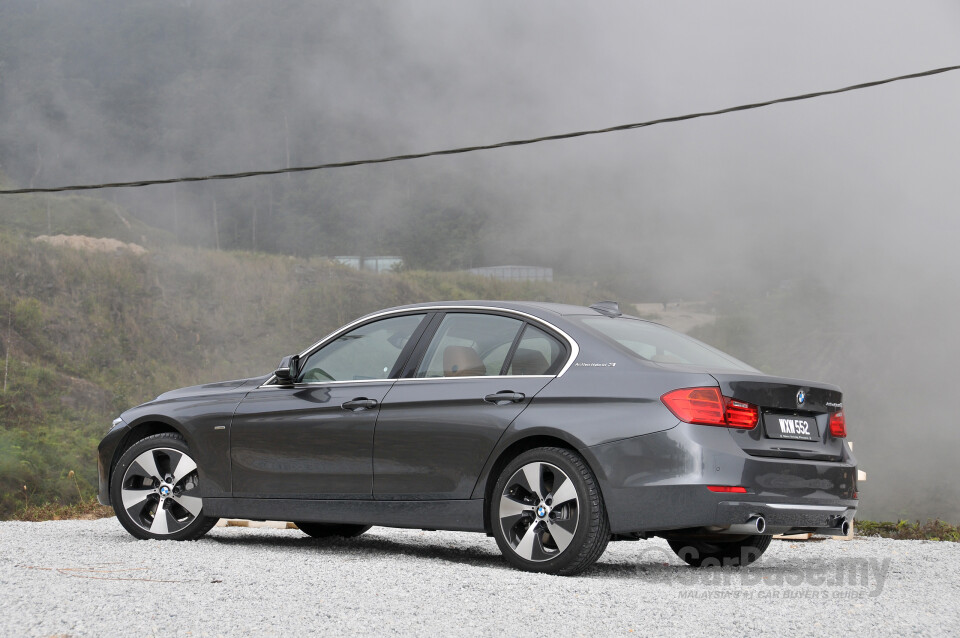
x=845 y=528
x=753 y=525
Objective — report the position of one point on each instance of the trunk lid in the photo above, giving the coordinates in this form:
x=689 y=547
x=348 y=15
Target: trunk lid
x=794 y=416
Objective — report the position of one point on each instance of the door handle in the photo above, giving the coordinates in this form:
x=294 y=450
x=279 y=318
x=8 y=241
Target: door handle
x=505 y=397
x=358 y=404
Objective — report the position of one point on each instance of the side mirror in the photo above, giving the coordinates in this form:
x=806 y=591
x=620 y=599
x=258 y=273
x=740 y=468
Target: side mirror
x=288 y=369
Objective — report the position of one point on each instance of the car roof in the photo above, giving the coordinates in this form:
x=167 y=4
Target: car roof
x=543 y=310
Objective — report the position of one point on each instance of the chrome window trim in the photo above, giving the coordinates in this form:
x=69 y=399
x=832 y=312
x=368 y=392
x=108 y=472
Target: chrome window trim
x=492 y=376
x=315 y=384
x=574 y=347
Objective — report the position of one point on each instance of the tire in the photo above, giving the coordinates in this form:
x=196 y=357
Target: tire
x=721 y=553
x=157 y=474
x=331 y=530
x=558 y=526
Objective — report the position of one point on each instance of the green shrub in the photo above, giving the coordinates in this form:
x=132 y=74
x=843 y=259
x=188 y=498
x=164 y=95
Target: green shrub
x=933 y=530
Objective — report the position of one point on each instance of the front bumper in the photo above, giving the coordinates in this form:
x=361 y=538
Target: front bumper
x=658 y=482
x=106 y=453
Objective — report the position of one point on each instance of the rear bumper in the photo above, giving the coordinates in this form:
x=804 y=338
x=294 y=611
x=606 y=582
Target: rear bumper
x=658 y=482
x=786 y=517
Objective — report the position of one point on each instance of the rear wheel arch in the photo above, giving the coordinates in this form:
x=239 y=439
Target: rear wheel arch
x=550 y=516
x=514 y=450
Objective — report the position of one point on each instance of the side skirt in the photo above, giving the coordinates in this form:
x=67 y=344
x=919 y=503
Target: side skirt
x=458 y=516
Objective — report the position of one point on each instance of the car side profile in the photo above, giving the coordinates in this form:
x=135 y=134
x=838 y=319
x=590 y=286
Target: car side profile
x=553 y=428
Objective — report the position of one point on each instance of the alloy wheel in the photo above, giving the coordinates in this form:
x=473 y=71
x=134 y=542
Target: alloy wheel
x=161 y=491
x=539 y=511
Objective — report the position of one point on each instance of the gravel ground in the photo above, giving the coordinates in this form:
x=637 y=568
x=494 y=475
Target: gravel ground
x=89 y=578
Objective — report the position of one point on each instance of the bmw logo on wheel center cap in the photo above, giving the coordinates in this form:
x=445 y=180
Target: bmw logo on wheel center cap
x=541 y=511
x=165 y=491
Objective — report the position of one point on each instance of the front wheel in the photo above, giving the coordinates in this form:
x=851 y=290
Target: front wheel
x=721 y=553
x=156 y=490
x=547 y=513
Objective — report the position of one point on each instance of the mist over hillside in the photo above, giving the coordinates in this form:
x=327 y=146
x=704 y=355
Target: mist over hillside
x=822 y=231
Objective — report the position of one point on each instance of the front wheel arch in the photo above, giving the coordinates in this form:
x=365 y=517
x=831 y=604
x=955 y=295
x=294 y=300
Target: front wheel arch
x=136 y=434
x=157 y=476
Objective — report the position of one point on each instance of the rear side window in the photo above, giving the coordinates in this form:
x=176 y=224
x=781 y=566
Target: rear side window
x=537 y=353
x=658 y=344
x=469 y=345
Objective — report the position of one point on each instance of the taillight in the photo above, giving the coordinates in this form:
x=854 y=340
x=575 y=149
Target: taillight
x=706 y=406
x=838 y=425
x=696 y=405
x=740 y=414
x=727 y=489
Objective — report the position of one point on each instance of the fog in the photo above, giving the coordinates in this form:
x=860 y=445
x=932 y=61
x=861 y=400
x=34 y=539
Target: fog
x=855 y=195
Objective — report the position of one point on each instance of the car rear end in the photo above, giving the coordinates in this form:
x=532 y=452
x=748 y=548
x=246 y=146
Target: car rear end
x=750 y=454
x=779 y=460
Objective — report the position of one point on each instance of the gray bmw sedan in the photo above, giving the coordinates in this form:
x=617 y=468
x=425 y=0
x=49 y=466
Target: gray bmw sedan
x=556 y=429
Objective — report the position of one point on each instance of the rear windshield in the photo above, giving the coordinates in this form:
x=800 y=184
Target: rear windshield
x=658 y=344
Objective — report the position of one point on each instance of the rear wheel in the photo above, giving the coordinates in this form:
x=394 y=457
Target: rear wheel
x=547 y=513
x=156 y=490
x=721 y=553
x=328 y=530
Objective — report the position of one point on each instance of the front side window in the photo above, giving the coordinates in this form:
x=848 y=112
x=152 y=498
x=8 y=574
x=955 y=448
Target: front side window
x=469 y=345
x=368 y=352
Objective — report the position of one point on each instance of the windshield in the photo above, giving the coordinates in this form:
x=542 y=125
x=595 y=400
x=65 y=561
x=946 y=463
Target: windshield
x=655 y=343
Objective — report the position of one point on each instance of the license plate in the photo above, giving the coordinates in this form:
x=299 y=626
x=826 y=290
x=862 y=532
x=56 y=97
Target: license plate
x=795 y=428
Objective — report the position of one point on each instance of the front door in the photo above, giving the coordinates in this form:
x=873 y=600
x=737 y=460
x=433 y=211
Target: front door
x=313 y=439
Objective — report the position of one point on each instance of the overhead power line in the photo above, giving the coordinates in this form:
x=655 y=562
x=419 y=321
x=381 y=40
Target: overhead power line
x=484 y=147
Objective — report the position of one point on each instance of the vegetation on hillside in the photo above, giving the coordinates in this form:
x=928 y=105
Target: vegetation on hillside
x=932 y=530
x=84 y=335
x=33 y=215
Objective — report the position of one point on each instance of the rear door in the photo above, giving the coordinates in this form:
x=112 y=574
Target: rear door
x=439 y=424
